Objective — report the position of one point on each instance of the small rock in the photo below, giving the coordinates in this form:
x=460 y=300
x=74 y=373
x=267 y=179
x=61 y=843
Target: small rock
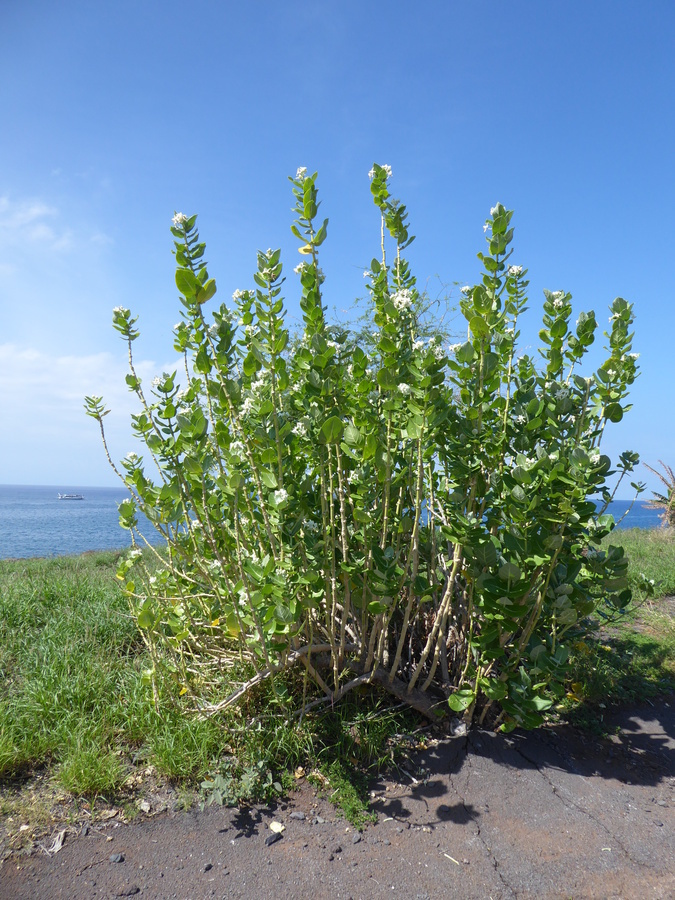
x=386 y=843
x=116 y=857
x=399 y=830
x=128 y=891
x=319 y=821
x=426 y=829
x=272 y=838
x=300 y=816
x=659 y=824
x=356 y=839
x=466 y=862
x=208 y=867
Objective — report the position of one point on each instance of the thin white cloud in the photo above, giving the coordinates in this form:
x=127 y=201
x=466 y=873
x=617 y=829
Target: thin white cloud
x=32 y=224
x=46 y=433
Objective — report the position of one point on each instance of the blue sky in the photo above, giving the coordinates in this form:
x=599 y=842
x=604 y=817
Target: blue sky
x=116 y=115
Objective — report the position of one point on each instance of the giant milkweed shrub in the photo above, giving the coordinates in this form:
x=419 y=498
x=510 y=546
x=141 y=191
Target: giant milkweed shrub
x=393 y=512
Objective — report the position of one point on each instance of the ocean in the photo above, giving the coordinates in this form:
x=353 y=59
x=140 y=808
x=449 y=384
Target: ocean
x=34 y=522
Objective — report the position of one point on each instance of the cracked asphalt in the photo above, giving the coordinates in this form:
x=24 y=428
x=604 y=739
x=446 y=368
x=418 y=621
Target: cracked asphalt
x=554 y=813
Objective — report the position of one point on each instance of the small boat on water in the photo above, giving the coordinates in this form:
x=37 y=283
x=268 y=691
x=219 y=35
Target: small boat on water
x=70 y=497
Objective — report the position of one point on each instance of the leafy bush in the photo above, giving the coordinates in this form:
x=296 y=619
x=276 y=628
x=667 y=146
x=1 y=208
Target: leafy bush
x=374 y=510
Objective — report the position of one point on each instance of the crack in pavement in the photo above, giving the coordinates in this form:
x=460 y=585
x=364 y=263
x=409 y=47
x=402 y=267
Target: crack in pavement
x=569 y=803
x=487 y=850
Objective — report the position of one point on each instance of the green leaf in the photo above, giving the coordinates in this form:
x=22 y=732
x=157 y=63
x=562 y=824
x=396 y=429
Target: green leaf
x=187 y=283
x=332 y=430
x=479 y=327
x=353 y=436
x=614 y=412
x=268 y=478
x=461 y=700
x=509 y=572
x=207 y=291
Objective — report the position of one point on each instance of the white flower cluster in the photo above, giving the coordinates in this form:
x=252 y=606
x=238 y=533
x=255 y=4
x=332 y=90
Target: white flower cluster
x=350 y=370
x=179 y=219
x=404 y=388
x=494 y=210
x=560 y=391
x=402 y=299
x=633 y=356
x=121 y=311
x=300 y=429
x=520 y=419
x=237 y=447
x=334 y=345
x=387 y=172
x=156 y=381
x=594 y=458
x=302 y=171
x=300 y=268
x=453 y=348
x=247 y=406
x=280 y=496
x=418 y=345
x=558 y=300
x=466 y=290
x=515 y=271
x=367 y=274
x=132 y=457
x=486 y=226
x=238 y=295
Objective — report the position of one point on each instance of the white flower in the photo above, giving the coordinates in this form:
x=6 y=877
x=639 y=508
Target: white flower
x=246 y=406
x=237 y=447
x=486 y=226
x=333 y=345
x=515 y=270
x=453 y=348
x=594 y=458
x=494 y=210
x=132 y=457
x=418 y=345
x=121 y=311
x=156 y=381
x=404 y=388
x=300 y=268
x=178 y=219
x=558 y=303
x=178 y=326
x=238 y=295
x=466 y=289
x=350 y=370
x=402 y=299
x=385 y=168
x=302 y=171
x=310 y=526
x=633 y=356
x=280 y=496
x=367 y=274
x=152 y=579
x=300 y=429
x=521 y=419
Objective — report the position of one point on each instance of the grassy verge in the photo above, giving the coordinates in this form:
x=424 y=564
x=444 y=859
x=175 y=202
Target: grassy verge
x=77 y=723
x=631 y=660
x=78 y=729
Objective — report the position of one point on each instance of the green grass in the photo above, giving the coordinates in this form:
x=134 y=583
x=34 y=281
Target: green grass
x=631 y=660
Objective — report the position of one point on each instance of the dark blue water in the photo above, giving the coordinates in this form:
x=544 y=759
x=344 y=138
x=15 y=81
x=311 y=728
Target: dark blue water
x=34 y=522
